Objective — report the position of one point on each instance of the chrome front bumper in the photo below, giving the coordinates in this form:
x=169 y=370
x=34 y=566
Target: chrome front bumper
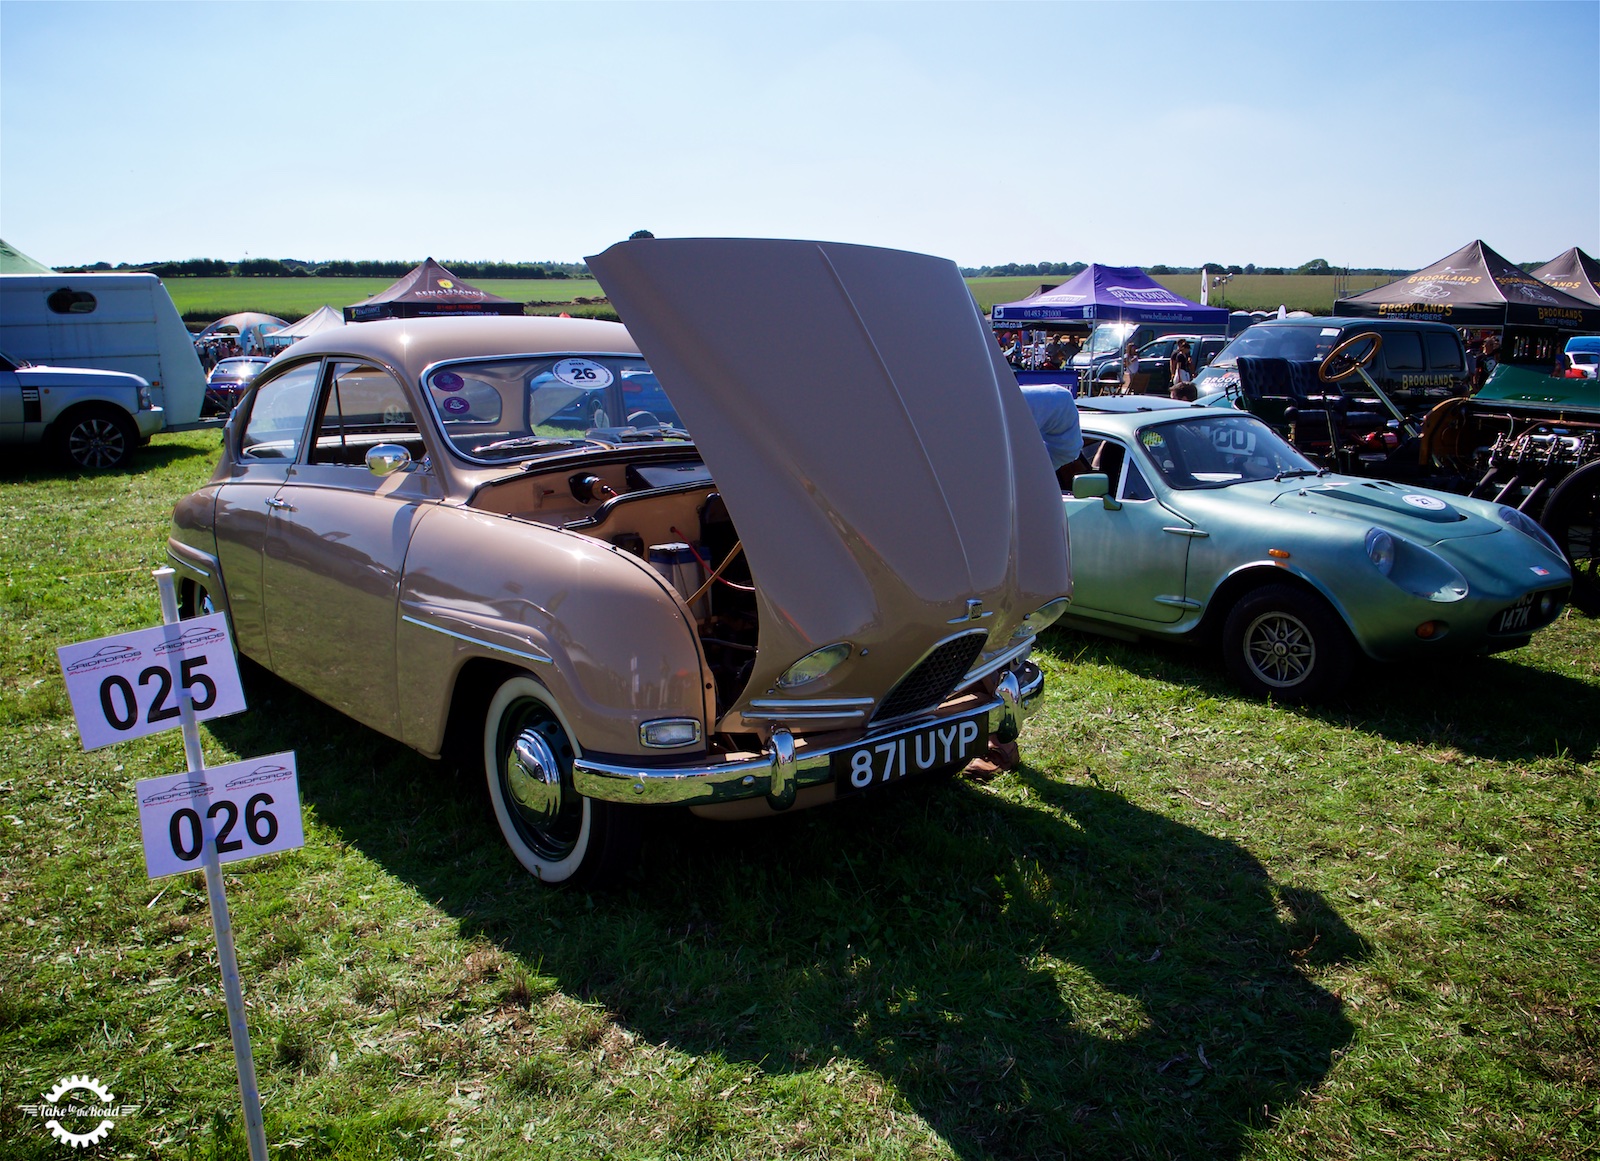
x=783 y=769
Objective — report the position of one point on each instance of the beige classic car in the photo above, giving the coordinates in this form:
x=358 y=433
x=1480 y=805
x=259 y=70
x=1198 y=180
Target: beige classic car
x=833 y=585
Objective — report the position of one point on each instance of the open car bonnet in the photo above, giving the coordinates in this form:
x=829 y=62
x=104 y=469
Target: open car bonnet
x=872 y=448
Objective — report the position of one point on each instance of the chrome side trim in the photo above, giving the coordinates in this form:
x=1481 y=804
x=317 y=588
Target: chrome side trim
x=780 y=772
x=191 y=558
x=1177 y=602
x=479 y=641
x=1194 y=532
x=811 y=703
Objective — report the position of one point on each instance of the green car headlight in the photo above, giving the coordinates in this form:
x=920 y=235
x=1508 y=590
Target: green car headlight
x=814 y=666
x=1526 y=525
x=1380 y=550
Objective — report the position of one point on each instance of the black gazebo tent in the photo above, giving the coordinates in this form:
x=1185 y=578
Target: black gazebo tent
x=1474 y=287
x=429 y=291
x=1573 y=273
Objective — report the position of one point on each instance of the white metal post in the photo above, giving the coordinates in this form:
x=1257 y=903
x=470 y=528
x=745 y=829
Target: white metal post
x=221 y=926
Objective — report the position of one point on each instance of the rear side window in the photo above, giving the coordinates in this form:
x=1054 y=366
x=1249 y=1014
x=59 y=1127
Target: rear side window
x=1402 y=350
x=1444 y=352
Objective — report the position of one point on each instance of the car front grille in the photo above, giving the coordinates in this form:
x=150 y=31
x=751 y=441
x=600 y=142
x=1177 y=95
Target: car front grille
x=932 y=680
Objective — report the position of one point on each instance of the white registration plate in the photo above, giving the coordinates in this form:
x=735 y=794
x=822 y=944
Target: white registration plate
x=944 y=745
x=1515 y=619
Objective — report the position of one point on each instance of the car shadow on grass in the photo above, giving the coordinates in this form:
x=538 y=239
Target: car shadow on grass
x=1036 y=968
x=32 y=464
x=1494 y=707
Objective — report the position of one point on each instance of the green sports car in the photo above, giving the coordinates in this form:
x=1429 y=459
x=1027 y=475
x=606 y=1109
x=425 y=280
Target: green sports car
x=1202 y=523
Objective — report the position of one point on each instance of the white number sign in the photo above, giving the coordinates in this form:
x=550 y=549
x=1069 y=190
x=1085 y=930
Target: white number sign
x=127 y=686
x=582 y=373
x=243 y=809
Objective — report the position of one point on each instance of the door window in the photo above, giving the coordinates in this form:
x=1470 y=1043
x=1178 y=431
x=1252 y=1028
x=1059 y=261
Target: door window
x=278 y=414
x=1402 y=350
x=363 y=407
x=1444 y=352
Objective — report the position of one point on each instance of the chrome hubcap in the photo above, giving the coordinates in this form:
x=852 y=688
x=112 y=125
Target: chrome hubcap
x=533 y=779
x=1279 y=649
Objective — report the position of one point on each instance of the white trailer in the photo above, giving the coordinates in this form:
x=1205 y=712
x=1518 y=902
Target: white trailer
x=112 y=322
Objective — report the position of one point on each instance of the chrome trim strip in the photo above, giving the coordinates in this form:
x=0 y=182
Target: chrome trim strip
x=409 y=619
x=999 y=661
x=1177 y=602
x=782 y=771
x=811 y=703
x=803 y=715
x=188 y=557
x=1194 y=532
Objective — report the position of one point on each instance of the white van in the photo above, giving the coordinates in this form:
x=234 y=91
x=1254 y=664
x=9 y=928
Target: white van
x=111 y=322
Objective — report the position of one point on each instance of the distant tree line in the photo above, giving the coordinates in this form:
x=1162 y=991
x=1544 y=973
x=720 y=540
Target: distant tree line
x=340 y=268
x=1315 y=266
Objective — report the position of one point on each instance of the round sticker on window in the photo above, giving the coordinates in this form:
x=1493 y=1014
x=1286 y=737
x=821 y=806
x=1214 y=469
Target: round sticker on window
x=448 y=381
x=582 y=373
x=456 y=405
x=1426 y=503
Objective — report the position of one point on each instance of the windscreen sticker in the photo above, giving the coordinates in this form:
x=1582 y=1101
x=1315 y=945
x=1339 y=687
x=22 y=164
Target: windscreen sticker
x=455 y=405
x=448 y=381
x=585 y=373
x=1239 y=441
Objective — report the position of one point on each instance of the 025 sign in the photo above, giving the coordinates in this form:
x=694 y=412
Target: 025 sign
x=128 y=686
x=243 y=809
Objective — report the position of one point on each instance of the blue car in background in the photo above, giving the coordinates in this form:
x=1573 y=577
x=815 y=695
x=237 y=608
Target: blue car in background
x=633 y=399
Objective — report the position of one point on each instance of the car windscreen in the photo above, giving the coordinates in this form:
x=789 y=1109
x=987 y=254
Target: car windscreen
x=1270 y=342
x=1215 y=451
x=1108 y=338
x=495 y=410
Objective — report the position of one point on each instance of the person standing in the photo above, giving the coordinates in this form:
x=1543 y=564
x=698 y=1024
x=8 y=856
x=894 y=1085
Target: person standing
x=1130 y=366
x=1181 y=370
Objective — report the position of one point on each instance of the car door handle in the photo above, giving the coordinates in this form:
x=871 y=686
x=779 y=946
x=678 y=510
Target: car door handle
x=281 y=505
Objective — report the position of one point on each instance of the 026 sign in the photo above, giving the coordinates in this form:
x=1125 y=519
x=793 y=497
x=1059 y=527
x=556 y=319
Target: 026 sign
x=128 y=686
x=243 y=809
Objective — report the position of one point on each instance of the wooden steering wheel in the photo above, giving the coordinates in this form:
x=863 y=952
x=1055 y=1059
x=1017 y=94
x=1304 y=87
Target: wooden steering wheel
x=1341 y=364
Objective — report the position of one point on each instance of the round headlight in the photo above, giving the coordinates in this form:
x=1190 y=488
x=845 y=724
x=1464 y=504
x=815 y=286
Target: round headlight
x=814 y=666
x=1380 y=550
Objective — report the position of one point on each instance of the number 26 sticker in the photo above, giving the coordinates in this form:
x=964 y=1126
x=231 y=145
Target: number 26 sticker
x=128 y=686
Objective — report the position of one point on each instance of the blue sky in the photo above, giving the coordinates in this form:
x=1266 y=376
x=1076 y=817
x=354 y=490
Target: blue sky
x=1135 y=133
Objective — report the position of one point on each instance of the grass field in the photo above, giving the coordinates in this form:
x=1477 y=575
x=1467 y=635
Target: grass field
x=292 y=298
x=1189 y=926
x=1312 y=292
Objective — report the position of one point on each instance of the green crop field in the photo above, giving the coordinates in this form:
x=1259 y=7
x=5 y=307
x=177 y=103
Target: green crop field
x=208 y=299
x=1188 y=926
x=1312 y=292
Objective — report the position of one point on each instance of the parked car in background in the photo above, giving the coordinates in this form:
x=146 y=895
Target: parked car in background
x=1202 y=524
x=226 y=384
x=1584 y=353
x=93 y=420
x=1154 y=373
x=1420 y=363
x=785 y=611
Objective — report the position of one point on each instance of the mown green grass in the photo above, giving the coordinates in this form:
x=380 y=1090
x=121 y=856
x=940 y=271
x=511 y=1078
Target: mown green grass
x=1312 y=292
x=1189 y=926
